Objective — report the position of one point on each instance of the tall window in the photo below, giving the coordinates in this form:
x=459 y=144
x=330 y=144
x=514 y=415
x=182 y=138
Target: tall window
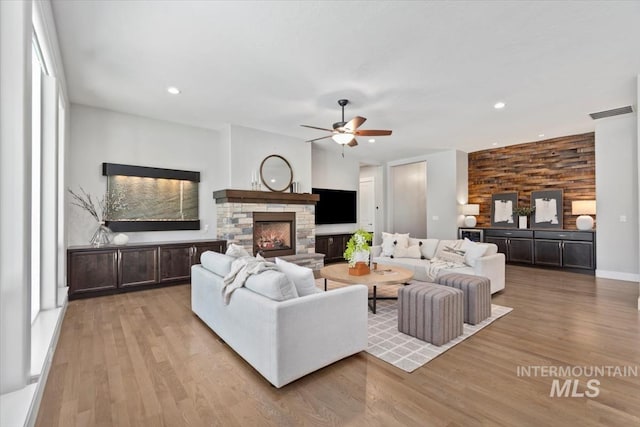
x=37 y=70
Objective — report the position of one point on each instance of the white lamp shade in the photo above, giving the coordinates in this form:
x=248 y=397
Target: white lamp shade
x=583 y=207
x=472 y=209
x=342 y=138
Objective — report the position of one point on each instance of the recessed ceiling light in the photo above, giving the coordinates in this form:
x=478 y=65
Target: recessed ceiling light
x=499 y=105
x=173 y=90
x=541 y=135
x=372 y=140
x=495 y=143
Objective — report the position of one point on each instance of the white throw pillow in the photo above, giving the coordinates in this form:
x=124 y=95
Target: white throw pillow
x=410 y=252
x=473 y=251
x=391 y=241
x=236 y=251
x=452 y=252
x=272 y=284
x=302 y=277
x=427 y=246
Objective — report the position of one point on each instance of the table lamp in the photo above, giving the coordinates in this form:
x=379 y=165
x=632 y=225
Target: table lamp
x=469 y=211
x=584 y=208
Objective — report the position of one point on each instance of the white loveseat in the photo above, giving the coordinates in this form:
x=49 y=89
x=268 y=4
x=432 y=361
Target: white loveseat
x=491 y=264
x=282 y=340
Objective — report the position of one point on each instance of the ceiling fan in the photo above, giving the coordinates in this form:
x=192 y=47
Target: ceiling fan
x=344 y=133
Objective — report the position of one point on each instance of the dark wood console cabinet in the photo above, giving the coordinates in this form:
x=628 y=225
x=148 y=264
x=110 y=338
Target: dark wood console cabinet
x=517 y=245
x=112 y=269
x=567 y=249
x=332 y=246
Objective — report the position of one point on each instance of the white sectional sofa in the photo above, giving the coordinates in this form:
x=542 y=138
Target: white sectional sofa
x=491 y=264
x=283 y=340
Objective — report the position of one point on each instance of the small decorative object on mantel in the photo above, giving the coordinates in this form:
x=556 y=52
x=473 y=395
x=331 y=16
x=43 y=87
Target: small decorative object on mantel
x=523 y=213
x=100 y=210
x=357 y=253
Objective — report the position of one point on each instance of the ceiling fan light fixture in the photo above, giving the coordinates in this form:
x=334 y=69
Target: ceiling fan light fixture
x=342 y=138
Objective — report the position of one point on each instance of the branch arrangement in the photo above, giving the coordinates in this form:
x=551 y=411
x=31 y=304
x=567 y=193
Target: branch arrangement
x=102 y=209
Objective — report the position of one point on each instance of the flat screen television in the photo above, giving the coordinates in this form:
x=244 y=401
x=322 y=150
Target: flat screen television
x=336 y=206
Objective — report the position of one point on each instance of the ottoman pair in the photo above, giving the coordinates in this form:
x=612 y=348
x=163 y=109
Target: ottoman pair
x=436 y=312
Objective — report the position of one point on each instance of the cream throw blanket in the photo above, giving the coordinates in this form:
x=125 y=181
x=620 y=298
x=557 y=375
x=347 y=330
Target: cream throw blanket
x=437 y=264
x=240 y=271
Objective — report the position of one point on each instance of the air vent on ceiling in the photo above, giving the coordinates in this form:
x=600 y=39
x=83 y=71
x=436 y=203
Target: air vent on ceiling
x=611 y=113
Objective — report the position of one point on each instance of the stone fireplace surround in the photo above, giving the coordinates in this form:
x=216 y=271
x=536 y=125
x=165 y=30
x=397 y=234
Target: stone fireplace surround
x=235 y=210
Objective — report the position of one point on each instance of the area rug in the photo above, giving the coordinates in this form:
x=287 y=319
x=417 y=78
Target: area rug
x=404 y=351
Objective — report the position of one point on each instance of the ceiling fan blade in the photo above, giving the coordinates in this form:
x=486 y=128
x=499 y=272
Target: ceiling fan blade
x=318 y=139
x=353 y=143
x=372 y=132
x=354 y=123
x=315 y=127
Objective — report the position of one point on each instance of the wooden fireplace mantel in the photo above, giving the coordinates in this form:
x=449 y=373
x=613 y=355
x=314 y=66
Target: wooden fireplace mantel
x=248 y=196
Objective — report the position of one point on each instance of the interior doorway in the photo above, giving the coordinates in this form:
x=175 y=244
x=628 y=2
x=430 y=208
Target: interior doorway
x=367 y=204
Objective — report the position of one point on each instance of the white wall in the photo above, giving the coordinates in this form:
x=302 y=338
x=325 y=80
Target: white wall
x=250 y=146
x=331 y=170
x=638 y=167
x=99 y=135
x=617 y=196
x=446 y=181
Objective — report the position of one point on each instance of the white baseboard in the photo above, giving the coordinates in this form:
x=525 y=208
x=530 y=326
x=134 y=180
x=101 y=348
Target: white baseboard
x=618 y=275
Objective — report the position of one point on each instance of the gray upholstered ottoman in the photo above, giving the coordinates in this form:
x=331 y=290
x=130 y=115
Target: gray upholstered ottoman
x=430 y=312
x=477 y=294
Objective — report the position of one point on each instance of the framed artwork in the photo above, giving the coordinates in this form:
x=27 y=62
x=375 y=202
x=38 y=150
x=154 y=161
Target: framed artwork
x=502 y=205
x=548 y=204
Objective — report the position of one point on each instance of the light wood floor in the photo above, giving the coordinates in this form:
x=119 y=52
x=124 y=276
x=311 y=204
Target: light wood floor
x=144 y=359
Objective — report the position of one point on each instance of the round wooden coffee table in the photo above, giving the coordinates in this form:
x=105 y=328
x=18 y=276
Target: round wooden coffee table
x=383 y=275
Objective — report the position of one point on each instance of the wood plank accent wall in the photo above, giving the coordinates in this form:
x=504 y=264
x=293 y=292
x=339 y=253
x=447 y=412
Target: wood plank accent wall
x=567 y=163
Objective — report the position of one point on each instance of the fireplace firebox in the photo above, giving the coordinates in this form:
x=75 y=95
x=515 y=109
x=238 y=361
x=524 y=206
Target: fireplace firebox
x=274 y=233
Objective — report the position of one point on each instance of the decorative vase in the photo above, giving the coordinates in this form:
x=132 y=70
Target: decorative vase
x=360 y=269
x=101 y=236
x=522 y=221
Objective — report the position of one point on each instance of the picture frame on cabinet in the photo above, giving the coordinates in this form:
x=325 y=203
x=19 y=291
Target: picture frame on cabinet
x=502 y=205
x=549 y=208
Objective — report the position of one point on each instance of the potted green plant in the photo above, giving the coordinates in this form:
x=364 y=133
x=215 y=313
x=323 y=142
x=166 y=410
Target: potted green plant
x=523 y=212
x=357 y=253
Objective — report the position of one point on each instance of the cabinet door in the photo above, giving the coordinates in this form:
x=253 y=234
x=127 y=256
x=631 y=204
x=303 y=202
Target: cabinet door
x=520 y=250
x=138 y=266
x=175 y=262
x=578 y=255
x=199 y=248
x=500 y=242
x=337 y=245
x=92 y=271
x=548 y=252
x=322 y=246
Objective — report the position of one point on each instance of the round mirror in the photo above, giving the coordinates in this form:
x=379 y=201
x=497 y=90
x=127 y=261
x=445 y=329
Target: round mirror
x=276 y=173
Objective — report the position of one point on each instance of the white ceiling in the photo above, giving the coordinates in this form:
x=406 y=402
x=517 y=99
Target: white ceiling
x=431 y=71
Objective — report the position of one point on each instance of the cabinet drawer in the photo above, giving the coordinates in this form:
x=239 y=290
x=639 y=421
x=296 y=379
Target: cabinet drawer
x=565 y=235
x=509 y=233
